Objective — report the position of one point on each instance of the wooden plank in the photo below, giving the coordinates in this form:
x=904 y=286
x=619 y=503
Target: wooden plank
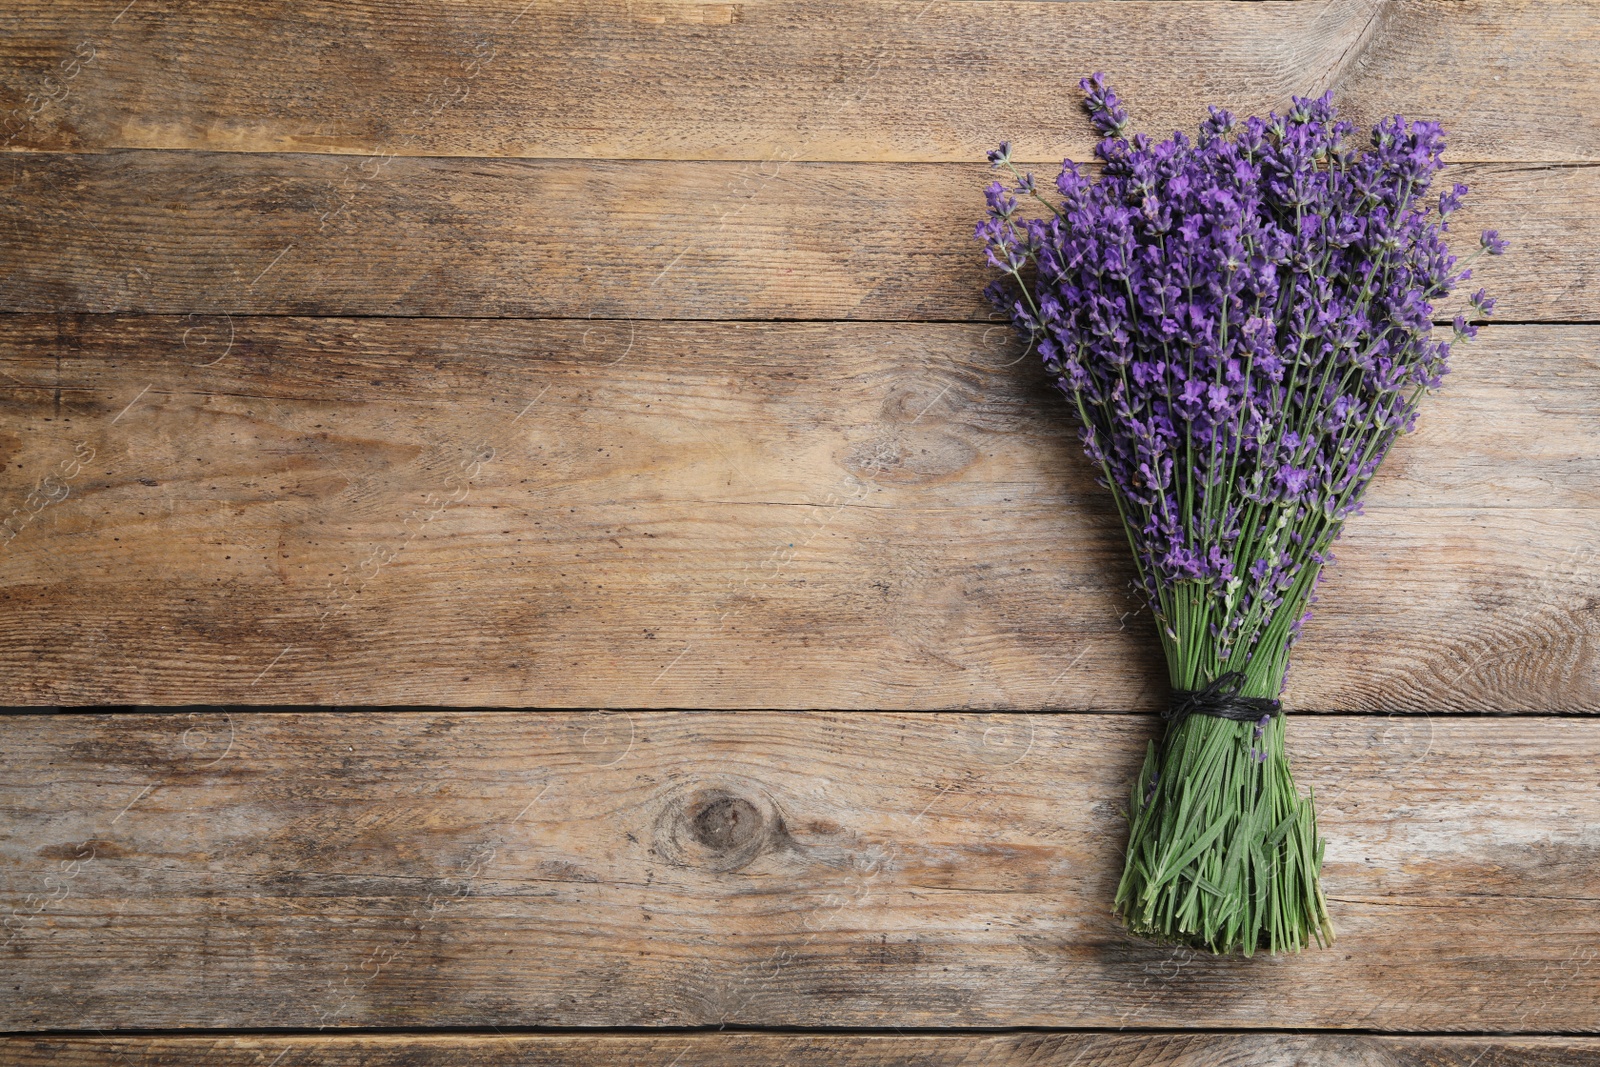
x=760 y=869
x=686 y=515
x=1076 y=1049
x=185 y=232
x=788 y=79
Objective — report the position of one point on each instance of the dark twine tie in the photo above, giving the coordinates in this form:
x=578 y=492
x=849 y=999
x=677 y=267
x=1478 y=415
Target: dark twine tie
x=1220 y=699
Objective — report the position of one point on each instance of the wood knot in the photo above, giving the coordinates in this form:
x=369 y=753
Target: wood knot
x=724 y=823
x=718 y=828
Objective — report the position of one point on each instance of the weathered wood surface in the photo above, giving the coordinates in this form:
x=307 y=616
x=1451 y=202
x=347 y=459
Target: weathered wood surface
x=798 y=79
x=317 y=235
x=567 y=513
x=808 y=1050
x=622 y=512
x=825 y=869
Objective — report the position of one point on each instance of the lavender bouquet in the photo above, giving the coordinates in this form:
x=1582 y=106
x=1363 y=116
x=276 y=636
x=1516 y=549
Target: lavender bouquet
x=1243 y=325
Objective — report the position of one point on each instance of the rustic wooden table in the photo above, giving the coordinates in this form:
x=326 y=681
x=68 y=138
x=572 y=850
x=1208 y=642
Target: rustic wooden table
x=626 y=358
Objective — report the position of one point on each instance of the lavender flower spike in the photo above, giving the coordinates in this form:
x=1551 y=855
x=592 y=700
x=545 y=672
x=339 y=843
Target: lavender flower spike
x=1104 y=106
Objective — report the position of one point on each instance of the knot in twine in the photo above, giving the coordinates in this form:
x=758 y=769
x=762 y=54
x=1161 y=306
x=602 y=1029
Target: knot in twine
x=1221 y=700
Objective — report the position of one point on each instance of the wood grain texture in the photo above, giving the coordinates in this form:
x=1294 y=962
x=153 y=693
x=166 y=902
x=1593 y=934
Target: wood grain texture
x=788 y=79
x=542 y=484
x=777 y=869
x=685 y=515
x=810 y=1050
x=185 y=232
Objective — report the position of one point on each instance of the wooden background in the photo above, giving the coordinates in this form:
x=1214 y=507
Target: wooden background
x=626 y=361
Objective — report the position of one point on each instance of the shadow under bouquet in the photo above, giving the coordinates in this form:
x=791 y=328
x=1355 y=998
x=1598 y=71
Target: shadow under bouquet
x=1243 y=324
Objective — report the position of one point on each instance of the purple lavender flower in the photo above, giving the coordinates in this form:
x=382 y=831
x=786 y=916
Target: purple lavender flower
x=1242 y=323
x=1001 y=204
x=1104 y=107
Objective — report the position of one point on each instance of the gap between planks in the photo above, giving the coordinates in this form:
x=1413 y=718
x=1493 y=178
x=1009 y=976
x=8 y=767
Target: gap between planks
x=805 y=1049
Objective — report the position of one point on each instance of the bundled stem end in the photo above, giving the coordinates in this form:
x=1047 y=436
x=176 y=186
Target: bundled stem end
x=1223 y=852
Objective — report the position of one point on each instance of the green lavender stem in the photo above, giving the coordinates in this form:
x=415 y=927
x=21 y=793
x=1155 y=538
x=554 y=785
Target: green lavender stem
x=1223 y=852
